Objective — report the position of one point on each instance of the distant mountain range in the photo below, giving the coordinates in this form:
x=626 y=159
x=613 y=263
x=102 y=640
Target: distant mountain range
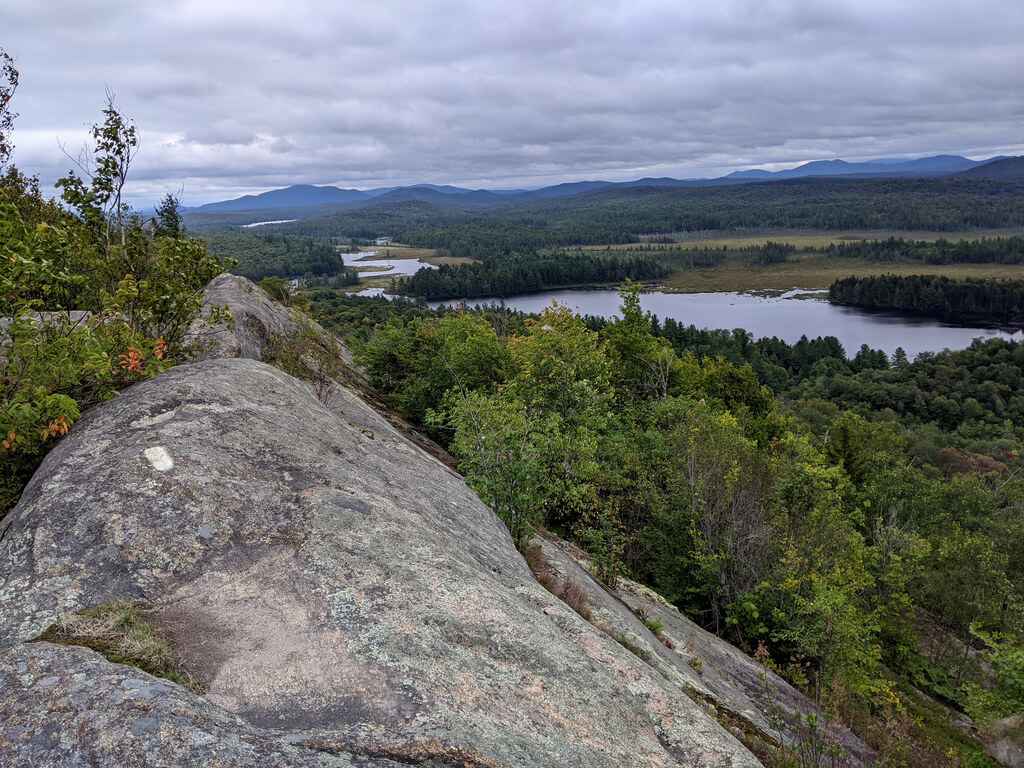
x=304 y=199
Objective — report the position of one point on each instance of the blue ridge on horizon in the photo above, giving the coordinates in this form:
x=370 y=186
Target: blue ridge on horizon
x=305 y=195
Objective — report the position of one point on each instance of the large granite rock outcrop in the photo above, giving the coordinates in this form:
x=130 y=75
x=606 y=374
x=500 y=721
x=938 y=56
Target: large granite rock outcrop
x=259 y=322
x=256 y=320
x=332 y=586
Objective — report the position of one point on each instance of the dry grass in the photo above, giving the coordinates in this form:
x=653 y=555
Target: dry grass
x=805 y=239
x=815 y=271
x=566 y=590
x=120 y=632
x=535 y=560
x=574 y=596
x=439 y=260
x=396 y=251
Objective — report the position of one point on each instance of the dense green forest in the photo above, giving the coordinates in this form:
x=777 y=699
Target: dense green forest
x=620 y=215
x=986 y=250
x=994 y=300
x=264 y=254
x=861 y=521
x=523 y=273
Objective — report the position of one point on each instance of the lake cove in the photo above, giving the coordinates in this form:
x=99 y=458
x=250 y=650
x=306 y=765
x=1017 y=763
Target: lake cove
x=787 y=317
x=386 y=266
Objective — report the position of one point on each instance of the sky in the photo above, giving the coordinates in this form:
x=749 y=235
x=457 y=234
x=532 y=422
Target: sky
x=234 y=98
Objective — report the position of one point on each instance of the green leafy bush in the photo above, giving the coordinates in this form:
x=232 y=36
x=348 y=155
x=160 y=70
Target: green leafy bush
x=92 y=299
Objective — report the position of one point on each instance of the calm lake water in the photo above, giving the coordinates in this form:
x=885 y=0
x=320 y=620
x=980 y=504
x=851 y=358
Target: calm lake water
x=394 y=267
x=785 y=316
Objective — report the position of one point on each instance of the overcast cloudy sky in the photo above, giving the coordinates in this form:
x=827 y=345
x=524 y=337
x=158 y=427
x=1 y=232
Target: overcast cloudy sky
x=233 y=97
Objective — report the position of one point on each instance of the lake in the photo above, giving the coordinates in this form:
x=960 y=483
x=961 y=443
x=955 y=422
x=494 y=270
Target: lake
x=784 y=316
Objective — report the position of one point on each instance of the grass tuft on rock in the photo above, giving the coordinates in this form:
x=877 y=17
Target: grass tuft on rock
x=121 y=633
x=566 y=590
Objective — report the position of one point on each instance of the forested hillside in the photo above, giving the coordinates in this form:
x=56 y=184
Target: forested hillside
x=260 y=254
x=621 y=215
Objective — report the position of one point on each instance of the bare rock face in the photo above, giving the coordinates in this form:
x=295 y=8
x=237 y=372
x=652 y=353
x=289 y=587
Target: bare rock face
x=1006 y=737
x=257 y=321
x=71 y=707
x=256 y=318
x=715 y=672
x=334 y=587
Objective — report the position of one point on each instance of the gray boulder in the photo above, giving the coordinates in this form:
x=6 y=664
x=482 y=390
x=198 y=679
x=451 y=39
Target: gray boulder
x=1006 y=740
x=327 y=581
x=258 y=324
x=256 y=318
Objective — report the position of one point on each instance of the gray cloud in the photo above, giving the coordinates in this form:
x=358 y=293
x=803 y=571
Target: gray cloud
x=233 y=97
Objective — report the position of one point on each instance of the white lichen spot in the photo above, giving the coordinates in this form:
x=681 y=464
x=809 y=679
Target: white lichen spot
x=159 y=458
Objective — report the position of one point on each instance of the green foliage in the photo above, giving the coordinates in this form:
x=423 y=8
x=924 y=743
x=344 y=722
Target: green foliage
x=542 y=424
x=966 y=580
x=90 y=301
x=418 y=362
x=499 y=447
x=106 y=163
x=260 y=254
x=167 y=222
x=642 y=366
x=561 y=376
x=816 y=600
x=993 y=300
x=356 y=318
x=1005 y=696
x=710 y=535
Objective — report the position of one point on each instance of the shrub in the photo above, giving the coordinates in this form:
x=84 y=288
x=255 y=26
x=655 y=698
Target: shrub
x=92 y=299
